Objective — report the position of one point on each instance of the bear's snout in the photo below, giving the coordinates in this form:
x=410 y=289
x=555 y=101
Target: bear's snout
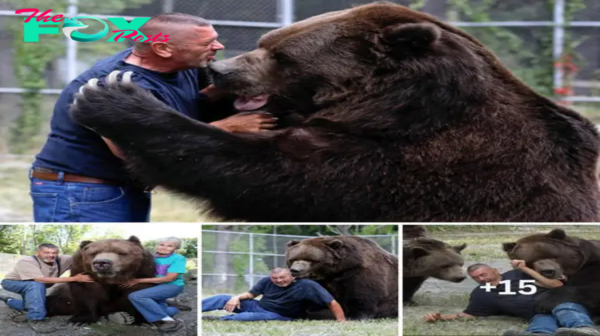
x=102 y=264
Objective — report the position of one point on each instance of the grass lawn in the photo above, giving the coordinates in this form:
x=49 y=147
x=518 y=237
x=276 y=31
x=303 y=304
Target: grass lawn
x=482 y=247
x=387 y=327
x=14 y=199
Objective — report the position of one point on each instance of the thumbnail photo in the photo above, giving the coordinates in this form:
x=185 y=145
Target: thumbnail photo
x=98 y=280
x=300 y=280
x=526 y=280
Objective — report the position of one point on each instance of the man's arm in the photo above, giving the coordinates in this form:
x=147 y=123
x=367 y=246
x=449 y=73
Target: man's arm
x=540 y=279
x=77 y=278
x=337 y=311
x=450 y=317
x=235 y=302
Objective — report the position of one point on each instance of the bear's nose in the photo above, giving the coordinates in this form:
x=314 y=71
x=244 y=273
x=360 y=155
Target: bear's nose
x=102 y=264
x=294 y=271
x=548 y=273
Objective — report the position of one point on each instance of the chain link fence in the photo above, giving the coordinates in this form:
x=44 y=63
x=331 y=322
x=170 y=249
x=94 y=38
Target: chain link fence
x=553 y=45
x=232 y=262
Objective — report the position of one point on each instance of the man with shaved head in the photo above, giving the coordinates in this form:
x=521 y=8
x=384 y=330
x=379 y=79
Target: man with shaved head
x=518 y=298
x=284 y=298
x=79 y=176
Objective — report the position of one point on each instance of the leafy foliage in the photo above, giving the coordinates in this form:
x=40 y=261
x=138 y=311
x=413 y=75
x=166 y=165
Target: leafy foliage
x=32 y=59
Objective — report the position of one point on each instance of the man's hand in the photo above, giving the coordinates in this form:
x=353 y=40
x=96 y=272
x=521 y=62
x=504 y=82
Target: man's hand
x=233 y=303
x=518 y=264
x=82 y=278
x=433 y=317
x=246 y=122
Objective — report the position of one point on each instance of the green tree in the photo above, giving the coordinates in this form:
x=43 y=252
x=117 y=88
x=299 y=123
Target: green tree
x=32 y=59
x=11 y=238
x=66 y=237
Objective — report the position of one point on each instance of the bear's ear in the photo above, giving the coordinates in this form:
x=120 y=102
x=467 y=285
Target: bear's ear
x=557 y=234
x=335 y=244
x=508 y=247
x=84 y=243
x=135 y=240
x=459 y=248
x=419 y=35
x=418 y=252
x=292 y=243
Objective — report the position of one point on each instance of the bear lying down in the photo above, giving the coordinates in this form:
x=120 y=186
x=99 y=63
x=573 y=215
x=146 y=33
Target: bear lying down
x=385 y=114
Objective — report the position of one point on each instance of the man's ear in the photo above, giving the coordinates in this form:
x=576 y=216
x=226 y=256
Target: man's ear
x=413 y=35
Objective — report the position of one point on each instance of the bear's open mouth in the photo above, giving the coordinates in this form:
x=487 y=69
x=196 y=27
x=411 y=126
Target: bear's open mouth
x=251 y=103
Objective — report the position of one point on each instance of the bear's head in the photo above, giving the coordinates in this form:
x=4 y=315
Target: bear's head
x=428 y=257
x=114 y=260
x=322 y=257
x=378 y=66
x=549 y=254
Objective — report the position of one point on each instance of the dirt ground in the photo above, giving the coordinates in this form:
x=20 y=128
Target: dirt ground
x=189 y=297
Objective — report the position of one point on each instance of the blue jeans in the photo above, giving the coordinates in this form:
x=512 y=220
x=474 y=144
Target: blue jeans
x=569 y=315
x=251 y=310
x=59 y=201
x=33 y=294
x=152 y=302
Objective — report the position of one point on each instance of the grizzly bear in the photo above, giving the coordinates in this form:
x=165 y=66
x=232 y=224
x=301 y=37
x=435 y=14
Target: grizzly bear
x=357 y=272
x=427 y=257
x=554 y=253
x=109 y=262
x=386 y=114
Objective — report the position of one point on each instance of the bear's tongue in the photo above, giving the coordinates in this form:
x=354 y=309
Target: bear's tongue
x=251 y=103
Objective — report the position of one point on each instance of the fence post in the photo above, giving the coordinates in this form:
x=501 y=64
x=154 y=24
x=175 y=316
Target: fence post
x=71 y=45
x=558 y=41
x=251 y=255
x=393 y=244
x=167 y=6
x=286 y=12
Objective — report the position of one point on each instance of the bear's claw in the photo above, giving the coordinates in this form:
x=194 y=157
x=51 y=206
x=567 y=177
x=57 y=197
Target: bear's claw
x=111 y=80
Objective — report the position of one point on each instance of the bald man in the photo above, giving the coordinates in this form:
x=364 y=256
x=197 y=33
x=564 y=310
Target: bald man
x=283 y=299
x=79 y=176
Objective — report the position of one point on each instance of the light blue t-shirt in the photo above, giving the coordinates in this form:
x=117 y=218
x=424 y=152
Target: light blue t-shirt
x=174 y=263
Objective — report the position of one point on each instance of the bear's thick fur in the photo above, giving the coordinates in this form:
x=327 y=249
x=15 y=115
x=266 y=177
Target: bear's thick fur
x=109 y=262
x=385 y=114
x=427 y=257
x=359 y=274
x=554 y=253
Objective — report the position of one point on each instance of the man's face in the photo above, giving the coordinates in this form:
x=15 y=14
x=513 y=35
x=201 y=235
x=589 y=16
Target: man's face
x=48 y=255
x=166 y=247
x=196 y=46
x=282 y=279
x=484 y=275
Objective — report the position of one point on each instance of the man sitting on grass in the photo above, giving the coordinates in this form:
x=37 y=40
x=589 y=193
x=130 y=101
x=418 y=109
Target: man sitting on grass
x=284 y=299
x=490 y=301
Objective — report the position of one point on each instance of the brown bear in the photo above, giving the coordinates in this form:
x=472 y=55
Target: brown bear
x=109 y=262
x=386 y=114
x=555 y=252
x=427 y=257
x=359 y=274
